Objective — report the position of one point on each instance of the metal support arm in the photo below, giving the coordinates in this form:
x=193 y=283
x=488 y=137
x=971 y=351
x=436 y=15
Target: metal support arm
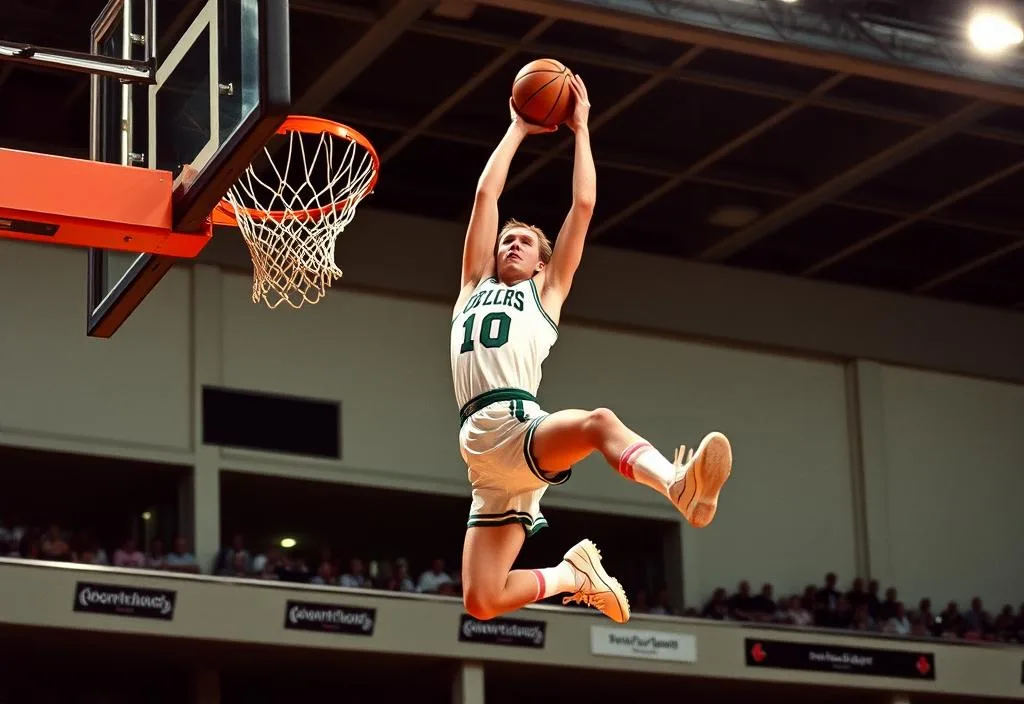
x=80 y=62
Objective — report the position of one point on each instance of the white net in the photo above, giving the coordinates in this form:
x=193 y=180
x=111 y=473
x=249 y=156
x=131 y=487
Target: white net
x=291 y=204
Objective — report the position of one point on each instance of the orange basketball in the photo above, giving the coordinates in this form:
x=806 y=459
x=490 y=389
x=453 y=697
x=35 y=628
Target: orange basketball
x=542 y=92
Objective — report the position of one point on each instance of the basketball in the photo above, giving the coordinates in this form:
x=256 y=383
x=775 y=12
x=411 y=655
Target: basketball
x=542 y=94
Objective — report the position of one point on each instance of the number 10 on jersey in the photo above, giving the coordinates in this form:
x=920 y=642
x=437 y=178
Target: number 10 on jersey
x=493 y=331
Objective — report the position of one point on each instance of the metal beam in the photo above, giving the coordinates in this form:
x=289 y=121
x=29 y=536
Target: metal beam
x=969 y=266
x=648 y=69
x=607 y=115
x=714 y=29
x=367 y=119
x=847 y=181
x=715 y=156
x=921 y=214
x=361 y=54
x=466 y=88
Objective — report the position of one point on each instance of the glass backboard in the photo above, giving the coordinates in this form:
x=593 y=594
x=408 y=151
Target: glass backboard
x=222 y=89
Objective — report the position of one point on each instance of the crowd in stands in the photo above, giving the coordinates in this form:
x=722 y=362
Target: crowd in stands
x=60 y=545
x=236 y=560
x=859 y=608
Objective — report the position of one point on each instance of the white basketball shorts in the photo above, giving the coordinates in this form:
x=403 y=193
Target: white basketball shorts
x=495 y=442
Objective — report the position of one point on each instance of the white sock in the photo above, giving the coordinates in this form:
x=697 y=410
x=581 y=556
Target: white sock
x=555 y=580
x=644 y=464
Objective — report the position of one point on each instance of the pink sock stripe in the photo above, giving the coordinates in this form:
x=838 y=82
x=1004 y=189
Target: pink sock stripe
x=540 y=584
x=627 y=457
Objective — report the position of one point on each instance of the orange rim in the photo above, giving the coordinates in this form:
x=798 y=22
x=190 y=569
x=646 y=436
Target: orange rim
x=224 y=213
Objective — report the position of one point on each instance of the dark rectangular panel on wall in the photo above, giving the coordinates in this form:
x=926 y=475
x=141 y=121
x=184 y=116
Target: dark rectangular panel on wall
x=271 y=422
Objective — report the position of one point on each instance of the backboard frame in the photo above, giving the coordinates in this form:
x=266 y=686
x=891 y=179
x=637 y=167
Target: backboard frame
x=193 y=200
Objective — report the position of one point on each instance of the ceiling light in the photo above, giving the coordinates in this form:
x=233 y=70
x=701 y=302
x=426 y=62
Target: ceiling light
x=992 y=31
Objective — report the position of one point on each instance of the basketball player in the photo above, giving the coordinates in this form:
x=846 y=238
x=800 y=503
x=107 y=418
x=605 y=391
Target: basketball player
x=505 y=322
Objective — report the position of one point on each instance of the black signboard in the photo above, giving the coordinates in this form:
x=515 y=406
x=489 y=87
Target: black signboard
x=786 y=655
x=329 y=618
x=118 y=600
x=503 y=631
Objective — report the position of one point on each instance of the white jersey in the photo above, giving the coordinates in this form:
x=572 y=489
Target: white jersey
x=499 y=340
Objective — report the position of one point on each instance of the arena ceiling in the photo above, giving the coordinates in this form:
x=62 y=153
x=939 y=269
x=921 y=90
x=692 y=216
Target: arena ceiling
x=707 y=150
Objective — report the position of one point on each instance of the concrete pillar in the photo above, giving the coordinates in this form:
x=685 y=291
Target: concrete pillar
x=468 y=684
x=201 y=504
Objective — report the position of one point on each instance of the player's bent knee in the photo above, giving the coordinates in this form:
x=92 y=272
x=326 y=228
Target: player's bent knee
x=478 y=605
x=599 y=423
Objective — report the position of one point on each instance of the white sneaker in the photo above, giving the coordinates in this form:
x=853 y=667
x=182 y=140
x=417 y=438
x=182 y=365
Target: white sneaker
x=595 y=587
x=699 y=480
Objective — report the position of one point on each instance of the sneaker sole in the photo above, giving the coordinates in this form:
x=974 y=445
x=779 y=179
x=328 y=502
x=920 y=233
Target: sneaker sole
x=593 y=566
x=711 y=469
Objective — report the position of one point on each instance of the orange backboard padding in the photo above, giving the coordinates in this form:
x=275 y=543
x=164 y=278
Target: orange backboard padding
x=76 y=202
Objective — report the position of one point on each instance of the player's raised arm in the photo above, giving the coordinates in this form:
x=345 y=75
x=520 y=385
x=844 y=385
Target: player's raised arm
x=478 y=251
x=568 y=251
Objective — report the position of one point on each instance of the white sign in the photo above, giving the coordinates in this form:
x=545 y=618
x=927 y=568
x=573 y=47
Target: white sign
x=649 y=645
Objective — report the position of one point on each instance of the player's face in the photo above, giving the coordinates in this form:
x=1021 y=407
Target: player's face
x=518 y=255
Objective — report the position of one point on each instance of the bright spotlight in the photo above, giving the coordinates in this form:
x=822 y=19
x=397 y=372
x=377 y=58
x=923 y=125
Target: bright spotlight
x=288 y=543
x=992 y=31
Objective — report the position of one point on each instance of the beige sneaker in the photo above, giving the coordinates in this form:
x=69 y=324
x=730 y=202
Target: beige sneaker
x=595 y=587
x=699 y=480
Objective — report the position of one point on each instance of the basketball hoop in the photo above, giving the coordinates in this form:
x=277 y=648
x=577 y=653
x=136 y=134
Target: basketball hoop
x=293 y=201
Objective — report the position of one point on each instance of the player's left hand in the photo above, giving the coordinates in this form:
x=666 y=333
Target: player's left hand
x=581 y=109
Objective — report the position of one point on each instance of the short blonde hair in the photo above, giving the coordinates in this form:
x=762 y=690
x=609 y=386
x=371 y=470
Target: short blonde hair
x=542 y=240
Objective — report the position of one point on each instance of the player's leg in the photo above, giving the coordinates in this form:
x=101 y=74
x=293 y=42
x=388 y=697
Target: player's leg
x=691 y=482
x=492 y=588
x=489 y=585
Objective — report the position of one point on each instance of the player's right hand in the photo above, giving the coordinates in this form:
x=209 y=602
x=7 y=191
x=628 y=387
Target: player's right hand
x=524 y=126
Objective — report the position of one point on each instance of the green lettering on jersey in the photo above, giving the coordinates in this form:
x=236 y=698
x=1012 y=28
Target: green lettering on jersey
x=518 y=305
x=494 y=329
x=504 y=297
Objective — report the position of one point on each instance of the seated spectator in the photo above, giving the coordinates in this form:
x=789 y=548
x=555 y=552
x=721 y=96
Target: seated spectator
x=874 y=603
x=977 y=621
x=898 y=624
x=10 y=539
x=949 y=623
x=808 y=599
x=180 y=559
x=826 y=602
x=355 y=577
x=887 y=609
x=762 y=606
x=325 y=574
x=157 y=558
x=841 y=617
x=918 y=629
x=52 y=546
x=431 y=580
x=797 y=614
x=857 y=595
x=293 y=569
x=399 y=581
x=238 y=567
x=129 y=555
x=718 y=606
x=1003 y=625
x=741 y=604
x=267 y=565
x=861 y=620
x=229 y=563
x=924 y=614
